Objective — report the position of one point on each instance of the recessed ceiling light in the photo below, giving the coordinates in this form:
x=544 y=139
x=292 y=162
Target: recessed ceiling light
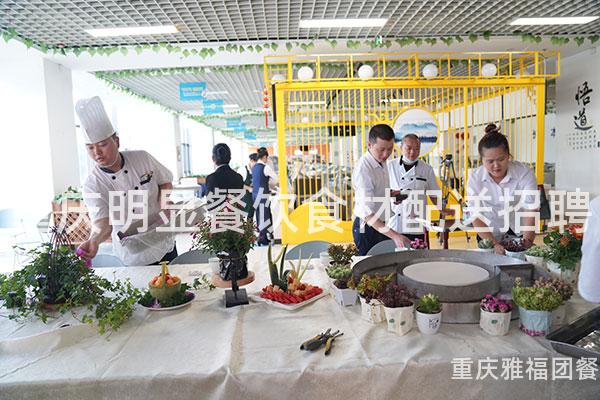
x=554 y=21
x=343 y=23
x=133 y=31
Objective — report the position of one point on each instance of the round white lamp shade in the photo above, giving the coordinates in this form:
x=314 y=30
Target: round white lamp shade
x=365 y=72
x=489 y=69
x=430 y=71
x=305 y=120
x=305 y=73
x=277 y=77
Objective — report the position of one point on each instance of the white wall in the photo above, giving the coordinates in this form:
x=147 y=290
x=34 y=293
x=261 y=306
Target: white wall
x=61 y=125
x=578 y=168
x=140 y=125
x=24 y=155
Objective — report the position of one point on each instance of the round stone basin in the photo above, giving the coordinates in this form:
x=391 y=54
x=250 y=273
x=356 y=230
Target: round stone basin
x=447 y=273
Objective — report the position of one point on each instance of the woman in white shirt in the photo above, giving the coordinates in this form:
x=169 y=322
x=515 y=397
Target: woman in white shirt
x=502 y=193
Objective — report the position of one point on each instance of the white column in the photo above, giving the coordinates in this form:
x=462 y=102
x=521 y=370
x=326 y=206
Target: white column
x=61 y=126
x=177 y=133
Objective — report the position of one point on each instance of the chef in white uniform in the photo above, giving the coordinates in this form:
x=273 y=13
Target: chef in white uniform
x=409 y=174
x=116 y=189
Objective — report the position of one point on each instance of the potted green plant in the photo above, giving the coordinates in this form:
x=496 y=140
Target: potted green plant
x=341 y=275
x=341 y=255
x=369 y=288
x=564 y=252
x=536 y=254
x=535 y=307
x=485 y=245
x=398 y=304
x=565 y=289
x=495 y=315
x=56 y=280
x=514 y=248
x=429 y=314
x=229 y=244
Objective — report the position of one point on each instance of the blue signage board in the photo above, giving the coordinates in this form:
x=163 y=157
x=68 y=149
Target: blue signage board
x=192 y=91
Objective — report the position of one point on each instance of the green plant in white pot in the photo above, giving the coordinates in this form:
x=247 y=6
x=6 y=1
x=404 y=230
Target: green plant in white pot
x=369 y=289
x=429 y=314
x=536 y=255
x=486 y=245
x=398 y=303
x=535 y=307
x=341 y=275
x=565 y=289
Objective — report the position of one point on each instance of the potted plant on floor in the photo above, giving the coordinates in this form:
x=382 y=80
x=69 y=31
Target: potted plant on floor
x=565 y=289
x=495 y=315
x=340 y=276
x=536 y=254
x=429 y=314
x=485 y=245
x=398 y=303
x=564 y=252
x=535 y=307
x=369 y=288
x=340 y=255
x=514 y=248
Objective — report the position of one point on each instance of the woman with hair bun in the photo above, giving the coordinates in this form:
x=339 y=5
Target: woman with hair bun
x=499 y=178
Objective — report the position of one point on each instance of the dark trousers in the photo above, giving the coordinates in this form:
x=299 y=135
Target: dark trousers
x=170 y=256
x=264 y=222
x=367 y=239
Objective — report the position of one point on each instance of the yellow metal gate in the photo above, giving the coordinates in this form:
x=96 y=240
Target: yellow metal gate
x=323 y=122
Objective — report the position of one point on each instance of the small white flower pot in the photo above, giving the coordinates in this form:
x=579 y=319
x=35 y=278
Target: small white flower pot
x=372 y=312
x=559 y=316
x=566 y=275
x=519 y=255
x=325 y=259
x=535 y=260
x=495 y=323
x=400 y=320
x=429 y=324
x=344 y=297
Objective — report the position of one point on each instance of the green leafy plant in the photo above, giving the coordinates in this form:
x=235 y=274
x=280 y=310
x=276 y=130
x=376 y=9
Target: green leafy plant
x=485 y=244
x=340 y=254
x=536 y=298
x=342 y=274
x=56 y=278
x=227 y=240
x=537 y=251
x=370 y=287
x=279 y=277
x=565 y=248
x=563 y=288
x=429 y=304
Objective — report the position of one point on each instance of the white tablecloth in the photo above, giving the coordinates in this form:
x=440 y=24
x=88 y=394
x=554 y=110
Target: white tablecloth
x=206 y=351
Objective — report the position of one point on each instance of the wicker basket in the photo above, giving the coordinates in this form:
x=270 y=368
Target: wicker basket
x=72 y=215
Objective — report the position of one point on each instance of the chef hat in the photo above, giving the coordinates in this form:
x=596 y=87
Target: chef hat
x=94 y=121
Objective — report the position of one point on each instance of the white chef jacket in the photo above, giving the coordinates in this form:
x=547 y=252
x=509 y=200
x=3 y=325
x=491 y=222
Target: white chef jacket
x=141 y=172
x=518 y=177
x=420 y=178
x=370 y=180
x=589 y=276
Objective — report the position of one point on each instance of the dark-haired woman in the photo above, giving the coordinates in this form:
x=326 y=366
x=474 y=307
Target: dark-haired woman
x=224 y=180
x=501 y=193
x=248 y=203
x=263 y=180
